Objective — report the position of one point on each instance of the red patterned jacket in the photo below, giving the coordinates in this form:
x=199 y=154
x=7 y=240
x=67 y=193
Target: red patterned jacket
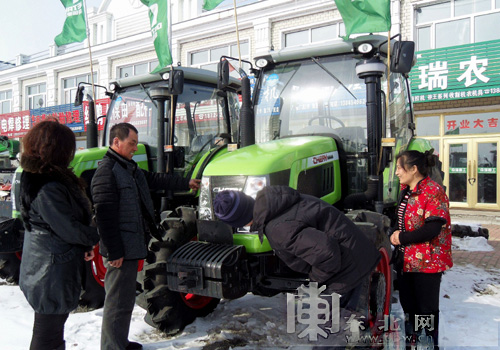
x=428 y=201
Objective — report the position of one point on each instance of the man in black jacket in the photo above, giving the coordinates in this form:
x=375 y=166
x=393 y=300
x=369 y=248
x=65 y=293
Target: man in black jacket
x=307 y=234
x=124 y=209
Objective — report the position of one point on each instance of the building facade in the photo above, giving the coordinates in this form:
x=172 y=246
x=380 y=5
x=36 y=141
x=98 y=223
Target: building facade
x=455 y=82
x=456 y=92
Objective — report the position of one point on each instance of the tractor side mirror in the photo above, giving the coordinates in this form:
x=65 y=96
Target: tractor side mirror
x=222 y=74
x=402 y=56
x=176 y=82
x=79 y=95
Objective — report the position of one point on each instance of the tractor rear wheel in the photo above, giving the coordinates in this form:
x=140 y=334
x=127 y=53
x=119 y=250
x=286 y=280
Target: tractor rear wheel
x=170 y=311
x=380 y=292
x=378 y=297
x=93 y=282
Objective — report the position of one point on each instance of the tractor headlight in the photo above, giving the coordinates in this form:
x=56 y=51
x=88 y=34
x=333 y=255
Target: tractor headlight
x=254 y=184
x=205 y=212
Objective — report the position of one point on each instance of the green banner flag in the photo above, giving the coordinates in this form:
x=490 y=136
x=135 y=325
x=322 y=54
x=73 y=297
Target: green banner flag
x=211 y=4
x=75 y=29
x=158 y=17
x=365 y=16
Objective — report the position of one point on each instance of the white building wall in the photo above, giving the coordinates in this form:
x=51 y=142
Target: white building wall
x=121 y=36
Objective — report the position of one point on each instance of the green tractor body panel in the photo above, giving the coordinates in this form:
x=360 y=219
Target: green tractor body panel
x=89 y=159
x=292 y=158
x=251 y=242
x=295 y=154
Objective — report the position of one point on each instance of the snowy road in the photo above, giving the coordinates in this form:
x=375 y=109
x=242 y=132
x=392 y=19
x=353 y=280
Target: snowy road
x=470 y=313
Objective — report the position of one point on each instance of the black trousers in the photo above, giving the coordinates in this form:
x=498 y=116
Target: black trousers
x=48 y=332
x=419 y=297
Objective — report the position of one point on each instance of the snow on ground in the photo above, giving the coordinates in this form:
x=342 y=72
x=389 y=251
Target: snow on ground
x=473 y=244
x=470 y=313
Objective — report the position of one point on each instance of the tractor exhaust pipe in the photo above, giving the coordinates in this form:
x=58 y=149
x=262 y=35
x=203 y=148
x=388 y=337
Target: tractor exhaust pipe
x=247 y=118
x=371 y=70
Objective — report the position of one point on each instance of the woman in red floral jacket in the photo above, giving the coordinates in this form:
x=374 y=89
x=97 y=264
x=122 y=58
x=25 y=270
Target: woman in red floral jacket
x=422 y=243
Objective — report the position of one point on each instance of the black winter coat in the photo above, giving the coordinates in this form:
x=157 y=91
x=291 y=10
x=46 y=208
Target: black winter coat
x=57 y=216
x=313 y=237
x=123 y=204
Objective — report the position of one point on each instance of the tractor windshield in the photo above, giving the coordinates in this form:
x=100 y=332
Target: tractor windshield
x=199 y=117
x=313 y=96
x=324 y=96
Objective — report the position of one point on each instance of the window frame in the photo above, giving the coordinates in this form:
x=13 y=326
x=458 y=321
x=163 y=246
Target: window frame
x=339 y=25
x=5 y=100
x=210 y=64
x=494 y=8
x=71 y=91
x=152 y=64
x=30 y=97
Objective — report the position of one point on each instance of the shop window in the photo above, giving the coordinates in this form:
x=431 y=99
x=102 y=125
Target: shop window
x=36 y=96
x=428 y=126
x=5 y=101
x=70 y=86
x=312 y=35
x=137 y=69
x=435 y=145
x=456 y=22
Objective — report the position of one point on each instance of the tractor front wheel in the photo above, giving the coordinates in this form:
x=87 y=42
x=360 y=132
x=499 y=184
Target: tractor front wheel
x=170 y=311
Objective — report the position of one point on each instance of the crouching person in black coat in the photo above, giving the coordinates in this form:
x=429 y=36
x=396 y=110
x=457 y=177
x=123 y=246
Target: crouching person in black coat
x=308 y=235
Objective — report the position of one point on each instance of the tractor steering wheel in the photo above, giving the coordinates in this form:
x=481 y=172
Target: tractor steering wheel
x=327 y=117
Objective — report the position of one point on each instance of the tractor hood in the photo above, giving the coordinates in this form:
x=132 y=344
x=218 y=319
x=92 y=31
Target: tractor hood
x=273 y=156
x=89 y=159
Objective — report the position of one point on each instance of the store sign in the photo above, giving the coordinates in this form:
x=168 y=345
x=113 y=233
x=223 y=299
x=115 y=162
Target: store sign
x=479 y=123
x=101 y=107
x=66 y=114
x=457 y=72
x=482 y=170
x=458 y=170
x=15 y=124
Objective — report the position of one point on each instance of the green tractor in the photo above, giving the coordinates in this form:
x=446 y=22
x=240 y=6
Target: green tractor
x=318 y=121
x=9 y=262
x=184 y=120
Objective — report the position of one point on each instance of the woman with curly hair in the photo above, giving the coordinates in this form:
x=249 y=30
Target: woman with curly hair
x=422 y=243
x=58 y=234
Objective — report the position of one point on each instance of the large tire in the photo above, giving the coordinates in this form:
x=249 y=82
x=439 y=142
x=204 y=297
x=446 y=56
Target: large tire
x=9 y=266
x=167 y=310
x=380 y=293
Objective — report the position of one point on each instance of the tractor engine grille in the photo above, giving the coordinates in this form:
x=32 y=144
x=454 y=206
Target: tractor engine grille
x=214 y=270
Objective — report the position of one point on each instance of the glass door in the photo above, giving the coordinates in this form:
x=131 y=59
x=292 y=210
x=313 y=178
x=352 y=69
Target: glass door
x=486 y=173
x=457 y=172
x=471 y=173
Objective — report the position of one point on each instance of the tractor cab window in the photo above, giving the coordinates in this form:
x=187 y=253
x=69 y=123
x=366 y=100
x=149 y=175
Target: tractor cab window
x=313 y=96
x=200 y=121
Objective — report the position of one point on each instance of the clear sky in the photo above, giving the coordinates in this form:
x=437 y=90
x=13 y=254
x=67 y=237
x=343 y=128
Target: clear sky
x=29 y=26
